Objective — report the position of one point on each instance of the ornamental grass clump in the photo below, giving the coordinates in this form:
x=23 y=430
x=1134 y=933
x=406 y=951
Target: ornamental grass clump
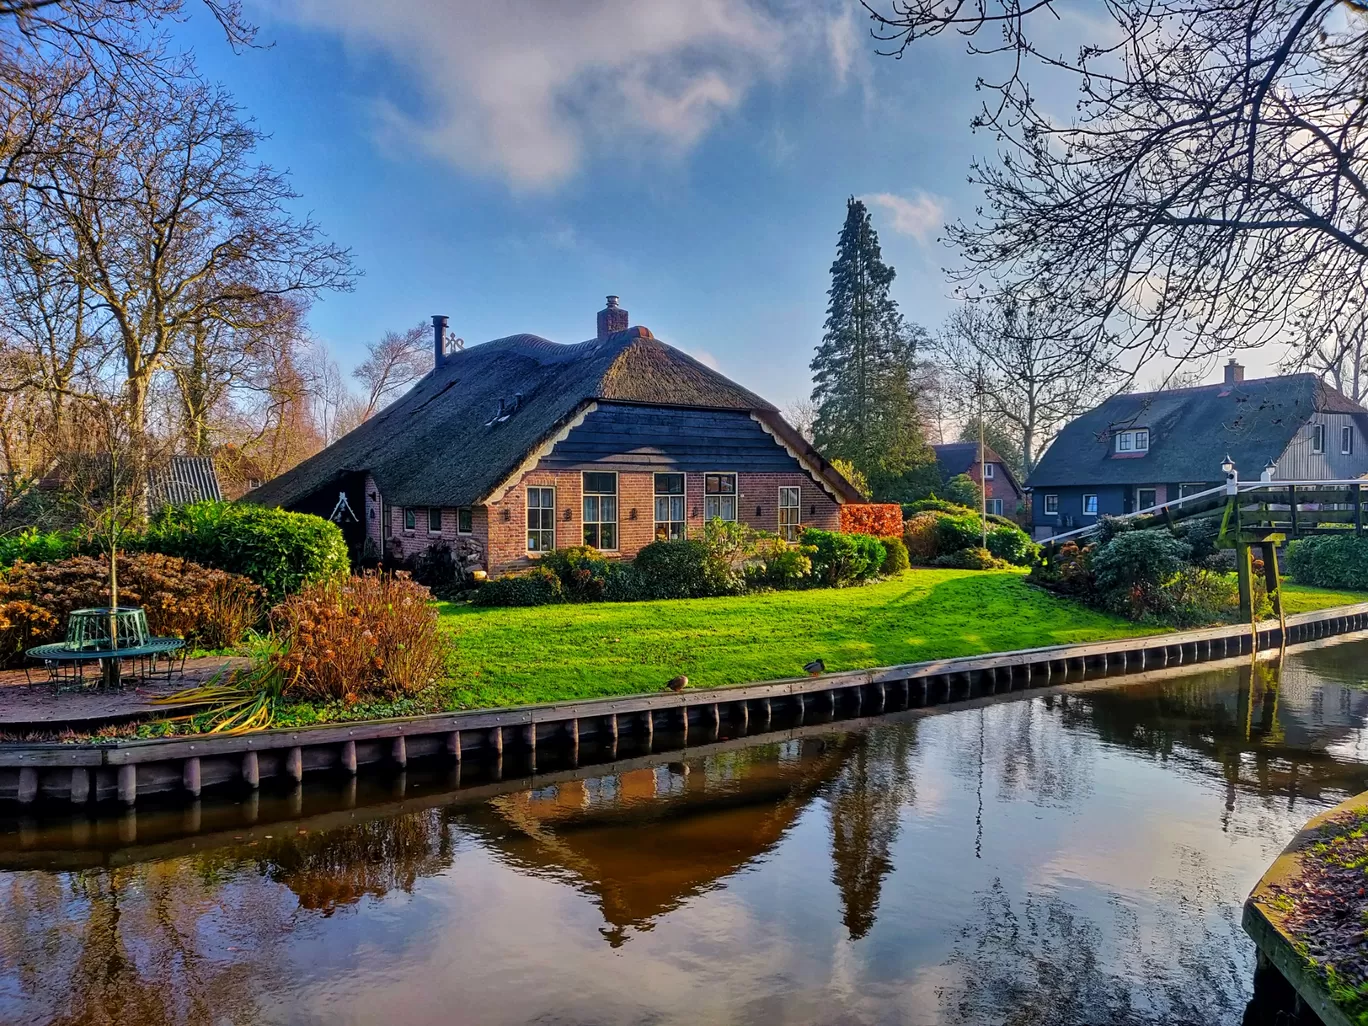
x=355 y=638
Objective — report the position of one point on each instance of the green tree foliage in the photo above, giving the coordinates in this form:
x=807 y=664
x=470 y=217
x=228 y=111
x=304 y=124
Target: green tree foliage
x=962 y=490
x=864 y=370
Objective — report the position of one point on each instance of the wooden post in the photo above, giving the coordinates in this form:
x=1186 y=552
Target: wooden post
x=190 y=776
x=1292 y=507
x=650 y=729
x=684 y=722
x=529 y=734
x=80 y=785
x=128 y=784
x=613 y=727
x=1358 y=511
x=349 y=757
x=28 y=785
x=1244 y=569
x=716 y=719
x=745 y=716
x=251 y=771
x=453 y=745
x=294 y=764
x=496 y=740
x=767 y=710
x=399 y=752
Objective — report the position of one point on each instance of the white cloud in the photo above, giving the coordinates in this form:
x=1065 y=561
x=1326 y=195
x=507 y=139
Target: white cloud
x=526 y=89
x=918 y=217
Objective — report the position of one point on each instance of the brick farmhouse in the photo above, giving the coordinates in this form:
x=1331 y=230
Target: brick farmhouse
x=518 y=446
x=1002 y=492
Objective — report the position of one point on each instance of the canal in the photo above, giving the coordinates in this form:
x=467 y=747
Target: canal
x=1077 y=856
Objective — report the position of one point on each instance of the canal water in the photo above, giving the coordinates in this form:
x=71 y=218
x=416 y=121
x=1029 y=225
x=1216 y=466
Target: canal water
x=1078 y=857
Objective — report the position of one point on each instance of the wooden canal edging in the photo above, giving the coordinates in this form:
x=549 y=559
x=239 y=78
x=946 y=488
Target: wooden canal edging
x=126 y=770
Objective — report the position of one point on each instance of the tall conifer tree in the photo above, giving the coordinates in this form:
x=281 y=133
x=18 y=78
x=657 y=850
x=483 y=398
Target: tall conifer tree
x=864 y=370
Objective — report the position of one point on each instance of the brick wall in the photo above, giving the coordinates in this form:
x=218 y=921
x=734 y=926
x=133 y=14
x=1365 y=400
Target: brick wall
x=405 y=544
x=507 y=519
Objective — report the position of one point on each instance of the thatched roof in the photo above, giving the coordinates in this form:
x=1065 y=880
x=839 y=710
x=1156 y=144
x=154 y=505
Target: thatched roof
x=444 y=443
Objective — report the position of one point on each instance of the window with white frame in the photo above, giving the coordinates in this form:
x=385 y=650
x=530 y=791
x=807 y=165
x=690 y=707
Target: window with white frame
x=995 y=506
x=1051 y=505
x=719 y=496
x=988 y=471
x=464 y=520
x=599 y=490
x=669 y=507
x=1090 y=505
x=790 y=512
x=1318 y=438
x=434 y=520
x=541 y=519
x=1133 y=441
x=1346 y=440
x=1192 y=488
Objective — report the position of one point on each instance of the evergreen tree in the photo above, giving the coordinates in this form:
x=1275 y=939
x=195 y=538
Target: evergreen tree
x=865 y=369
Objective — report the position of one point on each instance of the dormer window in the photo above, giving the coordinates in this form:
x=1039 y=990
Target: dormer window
x=1134 y=441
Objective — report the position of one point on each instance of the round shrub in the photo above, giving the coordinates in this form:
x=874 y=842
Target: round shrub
x=1011 y=544
x=1329 y=561
x=623 y=582
x=673 y=569
x=895 y=556
x=973 y=558
x=957 y=532
x=934 y=505
x=538 y=586
x=779 y=564
x=1132 y=570
x=583 y=572
x=919 y=536
x=842 y=559
x=281 y=551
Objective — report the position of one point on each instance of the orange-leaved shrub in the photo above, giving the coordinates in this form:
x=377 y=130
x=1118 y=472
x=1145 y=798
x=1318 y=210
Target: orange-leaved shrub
x=880 y=519
x=208 y=608
x=372 y=636
x=920 y=536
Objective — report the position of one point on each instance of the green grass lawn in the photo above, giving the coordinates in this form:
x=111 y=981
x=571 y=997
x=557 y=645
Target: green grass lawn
x=516 y=656
x=1298 y=598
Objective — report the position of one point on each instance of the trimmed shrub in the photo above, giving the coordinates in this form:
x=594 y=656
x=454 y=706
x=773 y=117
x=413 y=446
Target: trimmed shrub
x=895 y=556
x=974 y=558
x=623 y=582
x=352 y=638
x=1131 y=573
x=957 y=532
x=842 y=559
x=877 y=518
x=538 y=586
x=673 y=569
x=208 y=608
x=779 y=564
x=919 y=536
x=934 y=505
x=583 y=572
x=1329 y=561
x=281 y=551
x=1012 y=544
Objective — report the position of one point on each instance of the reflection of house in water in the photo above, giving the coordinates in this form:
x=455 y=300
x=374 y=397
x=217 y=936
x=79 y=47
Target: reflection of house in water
x=644 y=841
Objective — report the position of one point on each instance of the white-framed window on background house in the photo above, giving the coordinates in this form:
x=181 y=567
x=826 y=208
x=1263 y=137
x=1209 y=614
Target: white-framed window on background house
x=988 y=471
x=995 y=507
x=1317 y=439
x=541 y=519
x=1184 y=490
x=434 y=519
x=1136 y=440
x=719 y=496
x=410 y=518
x=599 y=490
x=1051 y=505
x=669 y=507
x=790 y=512
x=1090 y=505
x=1346 y=440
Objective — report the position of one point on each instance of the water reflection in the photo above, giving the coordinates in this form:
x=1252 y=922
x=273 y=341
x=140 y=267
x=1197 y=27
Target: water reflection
x=1074 y=857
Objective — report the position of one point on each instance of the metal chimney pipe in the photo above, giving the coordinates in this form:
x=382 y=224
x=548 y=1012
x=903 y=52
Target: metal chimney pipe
x=439 y=331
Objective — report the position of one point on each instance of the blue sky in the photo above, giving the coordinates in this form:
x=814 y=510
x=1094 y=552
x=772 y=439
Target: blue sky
x=510 y=163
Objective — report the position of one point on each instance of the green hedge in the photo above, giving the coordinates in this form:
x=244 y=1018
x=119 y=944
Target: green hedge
x=1329 y=561
x=279 y=550
x=539 y=586
x=841 y=559
x=34 y=546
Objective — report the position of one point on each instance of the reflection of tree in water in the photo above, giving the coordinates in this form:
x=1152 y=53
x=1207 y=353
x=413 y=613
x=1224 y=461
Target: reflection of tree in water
x=142 y=944
x=1046 y=963
x=1021 y=744
x=864 y=803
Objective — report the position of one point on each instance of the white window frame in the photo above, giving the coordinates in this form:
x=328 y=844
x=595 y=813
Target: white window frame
x=1141 y=439
x=719 y=496
x=1052 y=505
x=994 y=506
x=1134 y=440
x=1090 y=512
x=469 y=512
x=431 y=510
x=683 y=498
x=585 y=522
x=1318 y=439
x=410 y=519
x=790 y=532
x=541 y=530
x=988 y=471
x=1347 y=440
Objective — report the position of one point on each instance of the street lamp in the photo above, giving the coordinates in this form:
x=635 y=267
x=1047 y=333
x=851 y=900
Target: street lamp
x=1270 y=468
x=1231 y=476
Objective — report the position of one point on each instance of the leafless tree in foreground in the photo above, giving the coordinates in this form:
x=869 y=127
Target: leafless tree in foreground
x=1212 y=190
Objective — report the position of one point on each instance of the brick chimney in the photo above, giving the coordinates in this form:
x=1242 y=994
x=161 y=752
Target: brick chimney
x=1234 y=372
x=612 y=318
x=439 y=330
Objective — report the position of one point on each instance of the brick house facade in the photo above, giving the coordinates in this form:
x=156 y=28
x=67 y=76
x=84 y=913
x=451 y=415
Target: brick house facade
x=596 y=433
x=1003 y=491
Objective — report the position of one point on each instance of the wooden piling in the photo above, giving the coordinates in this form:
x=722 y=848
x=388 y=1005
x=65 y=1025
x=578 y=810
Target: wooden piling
x=453 y=745
x=190 y=776
x=28 y=785
x=744 y=709
x=496 y=740
x=251 y=770
x=80 y=785
x=128 y=784
x=399 y=752
x=294 y=764
x=349 y=757
x=611 y=722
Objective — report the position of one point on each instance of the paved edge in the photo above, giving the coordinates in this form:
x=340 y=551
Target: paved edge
x=1265 y=924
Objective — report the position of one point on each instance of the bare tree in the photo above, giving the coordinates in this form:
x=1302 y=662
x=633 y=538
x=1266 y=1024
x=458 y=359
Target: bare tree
x=392 y=364
x=1338 y=352
x=1211 y=191
x=1034 y=373
x=801 y=414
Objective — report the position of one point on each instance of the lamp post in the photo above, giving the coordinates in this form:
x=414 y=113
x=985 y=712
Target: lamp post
x=1270 y=468
x=1232 y=477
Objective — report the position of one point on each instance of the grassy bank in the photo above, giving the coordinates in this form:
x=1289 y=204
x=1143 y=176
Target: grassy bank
x=549 y=653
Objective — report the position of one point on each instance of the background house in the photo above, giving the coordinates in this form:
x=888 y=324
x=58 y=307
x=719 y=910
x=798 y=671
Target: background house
x=521 y=445
x=1143 y=448
x=1002 y=491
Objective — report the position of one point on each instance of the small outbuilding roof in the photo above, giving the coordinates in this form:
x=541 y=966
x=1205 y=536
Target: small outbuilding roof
x=182 y=480
x=1191 y=430
x=465 y=428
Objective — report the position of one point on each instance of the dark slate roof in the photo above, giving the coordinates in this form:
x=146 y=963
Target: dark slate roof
x=435 y=446
x=1191 y=431
x=955 y=458
x=183 y=480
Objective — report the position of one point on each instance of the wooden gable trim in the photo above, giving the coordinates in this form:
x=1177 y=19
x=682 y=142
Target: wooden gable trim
x=537 y=454
x=802 y=460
